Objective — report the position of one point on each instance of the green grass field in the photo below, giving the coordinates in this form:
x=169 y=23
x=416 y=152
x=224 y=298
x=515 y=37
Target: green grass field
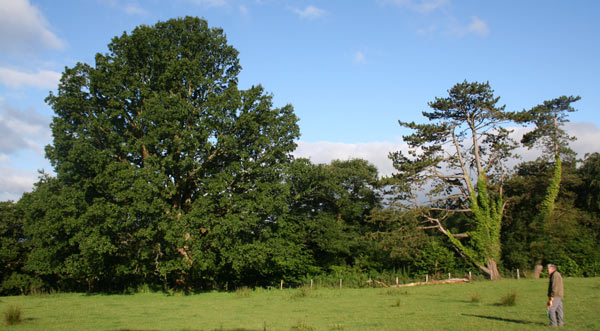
x=474 y=306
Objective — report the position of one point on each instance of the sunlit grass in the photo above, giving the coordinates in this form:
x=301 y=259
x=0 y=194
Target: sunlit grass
x=429 y=307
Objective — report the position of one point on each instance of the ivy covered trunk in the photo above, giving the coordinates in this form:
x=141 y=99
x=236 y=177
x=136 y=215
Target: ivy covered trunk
x=483 y=245
x=545 y=213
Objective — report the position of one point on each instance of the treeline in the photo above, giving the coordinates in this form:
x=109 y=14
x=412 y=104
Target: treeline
x=171 y=177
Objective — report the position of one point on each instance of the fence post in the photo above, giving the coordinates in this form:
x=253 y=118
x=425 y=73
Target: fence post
x=311 y=283
x=396 y=281
x=281 y=285
x=469 y=275
x=426 y=278
x=518 y=274
x=340 y=283
x=449 y=277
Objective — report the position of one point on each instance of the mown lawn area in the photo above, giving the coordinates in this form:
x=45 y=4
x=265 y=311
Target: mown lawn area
x=473 y=306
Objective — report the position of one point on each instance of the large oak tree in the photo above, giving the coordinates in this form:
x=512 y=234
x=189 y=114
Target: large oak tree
x=180 y=171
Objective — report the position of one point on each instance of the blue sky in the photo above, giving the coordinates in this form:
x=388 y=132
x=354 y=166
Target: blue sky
x=351 y=69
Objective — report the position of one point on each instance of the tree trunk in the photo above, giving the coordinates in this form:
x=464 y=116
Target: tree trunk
x=493 y=270
x=537 y=270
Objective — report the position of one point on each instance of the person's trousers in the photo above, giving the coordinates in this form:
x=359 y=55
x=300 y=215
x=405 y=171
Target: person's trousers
x=555 y=313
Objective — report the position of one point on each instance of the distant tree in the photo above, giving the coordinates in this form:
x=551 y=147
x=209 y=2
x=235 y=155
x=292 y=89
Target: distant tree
x=330 y=204
x=589 y=190
x=460 y=157
x=12 y=250
x=570 y=233
x=181 y=174
x=549 y=134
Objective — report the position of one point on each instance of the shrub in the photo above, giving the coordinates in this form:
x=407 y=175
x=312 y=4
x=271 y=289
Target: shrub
x=302 y=326
x=243 y=292
x=13 y=315
x=302 y=292
x=394 y=291
x=508 y=300
x=475 y=297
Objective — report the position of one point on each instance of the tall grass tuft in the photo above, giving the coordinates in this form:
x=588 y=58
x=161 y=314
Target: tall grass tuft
x=243 y=292
x=302 y=292
x=13 y=315
x=475 y=297
x=302 y=326
x=394 y=291
x=509 y=299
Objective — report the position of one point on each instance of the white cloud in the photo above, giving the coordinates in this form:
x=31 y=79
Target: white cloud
x=478 y=27
x=426 y=6
x=42 y=79
x=23 y=28
x=210 y=3
x=130 y=8
x=423 y=6
x=374 y=152
x=377 y=152
x=588 y=136
x=359 y=57
x=134 y=9
x=310 y=12
x=4 y=158
x=14 y=182
x=243 y=10
x=23 y=130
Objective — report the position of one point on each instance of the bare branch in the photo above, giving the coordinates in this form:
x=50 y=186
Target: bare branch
x=467 y=210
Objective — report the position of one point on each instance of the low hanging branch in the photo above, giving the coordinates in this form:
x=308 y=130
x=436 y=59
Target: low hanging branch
x=433 y=282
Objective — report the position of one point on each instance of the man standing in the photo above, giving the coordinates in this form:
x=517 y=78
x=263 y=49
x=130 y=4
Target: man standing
x=555 y=296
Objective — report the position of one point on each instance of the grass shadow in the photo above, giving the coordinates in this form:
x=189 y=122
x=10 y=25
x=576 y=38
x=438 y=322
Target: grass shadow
x=495 y=318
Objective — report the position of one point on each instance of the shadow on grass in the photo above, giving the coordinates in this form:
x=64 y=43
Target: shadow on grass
x=494 y=318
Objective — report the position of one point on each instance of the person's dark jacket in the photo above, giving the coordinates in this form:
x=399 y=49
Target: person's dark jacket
x=555 y=287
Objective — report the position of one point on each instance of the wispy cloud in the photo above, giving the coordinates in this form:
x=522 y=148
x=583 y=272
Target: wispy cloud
x=423 y=6
x=23 y=28
x=129 y=8
x=444 y=22
x=210 y=3
x=359 y=58
x=42 y=79
x=310 y=12
x=478 y=27
x=134 y=9
x=243 y=10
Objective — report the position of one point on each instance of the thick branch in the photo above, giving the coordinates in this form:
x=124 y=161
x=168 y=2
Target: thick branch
x=462 y=164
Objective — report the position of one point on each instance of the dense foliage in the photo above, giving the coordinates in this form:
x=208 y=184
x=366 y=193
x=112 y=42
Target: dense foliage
x=171 y=177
